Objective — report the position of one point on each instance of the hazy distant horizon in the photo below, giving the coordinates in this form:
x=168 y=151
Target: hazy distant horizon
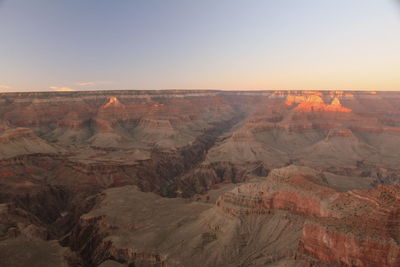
x=223 y=45
x=195 y=89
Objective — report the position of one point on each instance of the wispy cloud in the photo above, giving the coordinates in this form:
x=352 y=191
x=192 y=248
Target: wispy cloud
x=62 y=89
x=85 y=83
x=3 y=86
x=93 y=83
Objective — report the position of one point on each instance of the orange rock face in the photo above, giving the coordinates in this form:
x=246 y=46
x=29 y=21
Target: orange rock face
x=332 y=246
x=295 y=193
x=316 y=103
x=113 y=102
x=354 y=228
x=308 y=101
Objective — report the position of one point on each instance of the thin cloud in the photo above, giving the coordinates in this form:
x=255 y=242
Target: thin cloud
x=93 y=83
x=86 y=83
x=3 y=86
x=62 y=89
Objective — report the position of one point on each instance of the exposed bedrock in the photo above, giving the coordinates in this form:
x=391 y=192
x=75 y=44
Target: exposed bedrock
x=202 y=178
x=187 y=233
x=344 y=248
x=89 y=240
x=350 y=228
x=195 y=178
x=36 y=218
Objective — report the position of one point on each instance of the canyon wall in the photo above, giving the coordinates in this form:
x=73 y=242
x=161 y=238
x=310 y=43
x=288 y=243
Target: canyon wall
x=218 y=159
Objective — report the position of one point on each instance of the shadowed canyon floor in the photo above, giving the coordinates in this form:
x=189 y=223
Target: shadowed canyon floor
x=200 y=178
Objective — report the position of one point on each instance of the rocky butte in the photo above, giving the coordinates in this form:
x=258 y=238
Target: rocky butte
x=200 y=178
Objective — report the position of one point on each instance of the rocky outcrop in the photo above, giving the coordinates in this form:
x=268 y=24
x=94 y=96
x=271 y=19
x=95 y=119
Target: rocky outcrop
x=285 y=189
x=344 y=248
x=354 y=228
x=370 y=237
x=113 y=102
x=187 y=233
x=316 y=103
x=20 y=141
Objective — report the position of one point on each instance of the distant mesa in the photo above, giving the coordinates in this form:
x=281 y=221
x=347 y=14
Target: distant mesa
x=341 y=94
x=309 y=103
x=113 y=102
x=337 y=106
x=112 y=112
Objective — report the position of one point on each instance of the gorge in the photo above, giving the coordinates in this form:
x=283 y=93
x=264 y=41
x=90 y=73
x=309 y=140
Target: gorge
x=200 y=178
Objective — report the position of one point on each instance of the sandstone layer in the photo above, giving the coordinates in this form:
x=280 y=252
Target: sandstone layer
x=196 y=177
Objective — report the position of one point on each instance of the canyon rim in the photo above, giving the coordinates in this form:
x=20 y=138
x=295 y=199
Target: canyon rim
x=200 y=178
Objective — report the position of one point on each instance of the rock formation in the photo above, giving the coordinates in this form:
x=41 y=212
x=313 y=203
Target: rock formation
x=200 y=178
x=353 y=228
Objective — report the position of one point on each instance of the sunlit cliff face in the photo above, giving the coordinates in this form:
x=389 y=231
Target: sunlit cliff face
x=112 y=102
x=313 y=102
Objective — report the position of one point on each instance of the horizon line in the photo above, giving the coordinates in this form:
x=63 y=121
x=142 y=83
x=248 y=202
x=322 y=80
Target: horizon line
x=200 y=89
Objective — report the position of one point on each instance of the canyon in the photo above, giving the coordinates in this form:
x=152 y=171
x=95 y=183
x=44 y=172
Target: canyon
x=200 y=178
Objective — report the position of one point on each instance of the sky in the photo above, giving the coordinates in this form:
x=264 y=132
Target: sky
x=62 y=45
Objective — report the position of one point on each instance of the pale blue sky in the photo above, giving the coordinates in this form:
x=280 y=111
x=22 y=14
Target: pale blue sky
x=216 y=44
